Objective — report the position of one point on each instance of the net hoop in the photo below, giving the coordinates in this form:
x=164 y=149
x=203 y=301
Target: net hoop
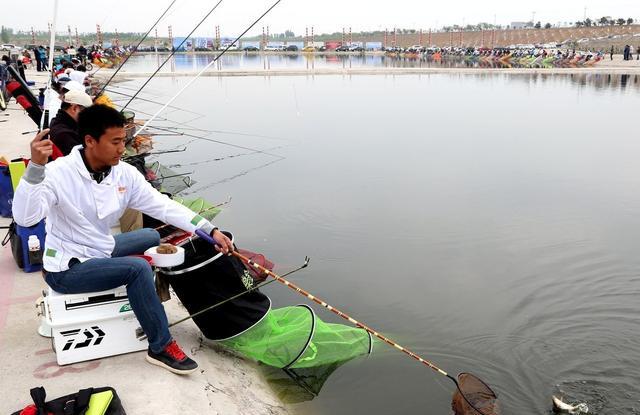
x=487 y=397
x=311 y=333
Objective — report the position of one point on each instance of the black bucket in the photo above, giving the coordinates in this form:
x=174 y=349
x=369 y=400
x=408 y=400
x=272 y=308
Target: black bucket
x=208 y=277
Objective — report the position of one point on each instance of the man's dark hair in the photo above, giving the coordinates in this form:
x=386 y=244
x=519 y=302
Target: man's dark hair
x=81 y=68
x=95 y=120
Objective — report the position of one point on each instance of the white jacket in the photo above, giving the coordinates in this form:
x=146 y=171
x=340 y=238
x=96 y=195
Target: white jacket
x=80 y=212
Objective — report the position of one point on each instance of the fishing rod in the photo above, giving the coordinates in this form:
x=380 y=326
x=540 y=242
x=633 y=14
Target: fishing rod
x=220 y=142
x=207 y=67
x=211 y=160
x=151 y=101
x=191 y=112
x=136 y=48
x=483 y=403
x=52 y=51
x=242 y=173
x=141 y=336
x=171 y=54
x=153 y=153
x=227 y=132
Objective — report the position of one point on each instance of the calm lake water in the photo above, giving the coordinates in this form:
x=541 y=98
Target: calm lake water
x=490 y=223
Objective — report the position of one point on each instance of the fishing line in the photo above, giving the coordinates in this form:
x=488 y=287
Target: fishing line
x=208 y=65
x=150 y=91
x=167 y=119
x=222 y=142
x=211 y=160
x=136 y=48
x=191 y=112
x=151 y=101
x=171 y=54
x=235 y=176
x=232 y=133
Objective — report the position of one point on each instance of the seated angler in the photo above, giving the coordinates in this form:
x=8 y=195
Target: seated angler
x=64 y=127
x=81 y=196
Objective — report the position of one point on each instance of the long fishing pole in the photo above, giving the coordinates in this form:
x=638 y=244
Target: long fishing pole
x=207 y=67
x=141 y=336
x=138 y=45
x=191 y=112
x=150 y=101
x=52 y=51
x=180 y=126
x=218 y=141
x=171 y=54
x=484 y=404
x=211 y=160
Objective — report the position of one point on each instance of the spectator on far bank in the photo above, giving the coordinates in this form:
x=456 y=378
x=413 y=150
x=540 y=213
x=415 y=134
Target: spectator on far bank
x=611 y=53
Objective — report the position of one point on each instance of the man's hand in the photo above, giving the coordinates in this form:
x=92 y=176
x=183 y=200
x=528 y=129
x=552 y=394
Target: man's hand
x=223 y=244
x=41 y=149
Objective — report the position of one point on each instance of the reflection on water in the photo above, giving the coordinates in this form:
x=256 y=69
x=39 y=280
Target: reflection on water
x=195 y=62
x=256 y=61
x=487 y=222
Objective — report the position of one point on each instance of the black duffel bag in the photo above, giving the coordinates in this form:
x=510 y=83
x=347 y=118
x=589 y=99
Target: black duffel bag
x=14 y=239
x=207 y=278
x=73 y=404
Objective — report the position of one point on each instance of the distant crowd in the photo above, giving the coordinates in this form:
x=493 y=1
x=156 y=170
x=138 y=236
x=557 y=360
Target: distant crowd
x=628 y=53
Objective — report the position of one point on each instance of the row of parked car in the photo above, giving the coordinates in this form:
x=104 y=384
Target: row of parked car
x=9 y=46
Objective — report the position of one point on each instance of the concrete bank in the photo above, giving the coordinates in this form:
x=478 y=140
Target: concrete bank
x=224 y=384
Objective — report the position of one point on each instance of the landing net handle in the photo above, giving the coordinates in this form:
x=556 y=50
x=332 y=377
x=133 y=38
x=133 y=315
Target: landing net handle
x=475 y=396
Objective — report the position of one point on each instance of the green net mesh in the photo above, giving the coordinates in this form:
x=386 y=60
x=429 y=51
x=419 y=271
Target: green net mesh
x=199 y=206
x=294 y=337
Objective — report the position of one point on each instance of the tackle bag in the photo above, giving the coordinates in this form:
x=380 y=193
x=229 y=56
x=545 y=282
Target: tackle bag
x=13 y=239
x=18 y=237
x=90 y=401
x=6 y=191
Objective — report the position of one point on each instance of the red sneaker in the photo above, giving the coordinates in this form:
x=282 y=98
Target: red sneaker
x=173 y=359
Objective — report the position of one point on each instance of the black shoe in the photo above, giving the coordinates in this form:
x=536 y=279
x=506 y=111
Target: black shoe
x=173 y=359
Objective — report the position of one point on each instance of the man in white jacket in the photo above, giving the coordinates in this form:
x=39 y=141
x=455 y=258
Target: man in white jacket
x=81 y=196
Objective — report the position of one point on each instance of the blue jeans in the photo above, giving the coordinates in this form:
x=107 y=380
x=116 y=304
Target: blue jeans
x=100 y=274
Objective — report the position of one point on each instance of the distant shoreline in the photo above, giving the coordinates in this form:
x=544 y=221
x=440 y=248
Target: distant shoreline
x=598 y=69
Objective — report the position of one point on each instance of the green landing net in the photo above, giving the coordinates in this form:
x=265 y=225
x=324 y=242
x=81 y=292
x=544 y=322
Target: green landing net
x=294 y=337
x=199 y=206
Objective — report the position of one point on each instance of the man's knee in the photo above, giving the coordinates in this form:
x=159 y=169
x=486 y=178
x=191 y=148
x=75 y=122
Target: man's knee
x=140 y=268
x=151 y=236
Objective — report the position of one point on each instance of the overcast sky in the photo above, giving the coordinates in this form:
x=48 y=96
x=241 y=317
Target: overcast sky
x=233 y=16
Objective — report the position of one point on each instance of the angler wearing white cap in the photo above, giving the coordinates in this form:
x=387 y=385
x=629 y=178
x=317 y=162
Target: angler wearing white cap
x=64 y=84
x=64 y=128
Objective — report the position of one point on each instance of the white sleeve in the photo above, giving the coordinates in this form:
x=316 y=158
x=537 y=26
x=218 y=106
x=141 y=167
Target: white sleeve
x=34 y=196
x=148 y=200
